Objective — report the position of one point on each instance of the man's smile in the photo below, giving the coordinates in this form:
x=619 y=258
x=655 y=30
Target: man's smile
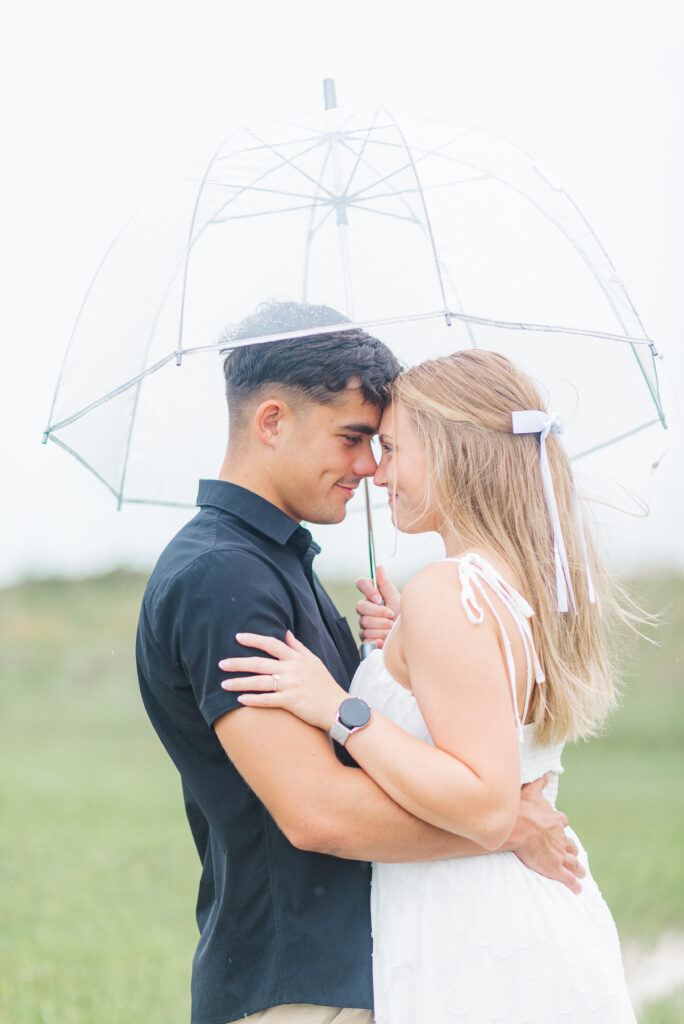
x=348 y=489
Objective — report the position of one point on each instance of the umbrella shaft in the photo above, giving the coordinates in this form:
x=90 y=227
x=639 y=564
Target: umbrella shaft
x=369 y=524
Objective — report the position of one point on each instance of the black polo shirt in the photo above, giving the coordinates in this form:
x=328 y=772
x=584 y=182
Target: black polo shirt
x=277 y=925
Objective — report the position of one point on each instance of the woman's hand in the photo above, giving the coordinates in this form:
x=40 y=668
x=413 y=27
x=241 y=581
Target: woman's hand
x=379 y=609
x=292 y=678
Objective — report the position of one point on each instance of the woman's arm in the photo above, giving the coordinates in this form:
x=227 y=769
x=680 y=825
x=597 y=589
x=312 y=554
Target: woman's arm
x=468 y=783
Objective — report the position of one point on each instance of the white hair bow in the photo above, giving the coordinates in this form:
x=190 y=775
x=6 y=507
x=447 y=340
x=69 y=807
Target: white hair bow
x=534 y=421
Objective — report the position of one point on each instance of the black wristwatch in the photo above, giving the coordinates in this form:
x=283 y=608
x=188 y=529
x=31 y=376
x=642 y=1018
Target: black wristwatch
x=353 y=714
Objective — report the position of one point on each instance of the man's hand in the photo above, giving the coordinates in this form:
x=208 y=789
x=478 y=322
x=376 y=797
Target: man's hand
x=379 y=608
x=539 y=840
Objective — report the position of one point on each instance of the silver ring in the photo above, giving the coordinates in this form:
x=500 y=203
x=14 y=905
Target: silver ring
x=275 y=682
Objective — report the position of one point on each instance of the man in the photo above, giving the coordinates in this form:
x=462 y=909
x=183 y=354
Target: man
x=283 y=828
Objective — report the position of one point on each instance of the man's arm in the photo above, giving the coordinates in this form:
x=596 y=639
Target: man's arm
x=323 y=806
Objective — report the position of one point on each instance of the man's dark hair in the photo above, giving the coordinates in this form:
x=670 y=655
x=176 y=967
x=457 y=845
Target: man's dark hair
x=317 y=367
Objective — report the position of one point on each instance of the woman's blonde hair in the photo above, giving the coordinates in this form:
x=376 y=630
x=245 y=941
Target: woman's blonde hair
x=486 y=483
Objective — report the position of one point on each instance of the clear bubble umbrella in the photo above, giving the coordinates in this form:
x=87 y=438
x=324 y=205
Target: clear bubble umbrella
x=430 y=235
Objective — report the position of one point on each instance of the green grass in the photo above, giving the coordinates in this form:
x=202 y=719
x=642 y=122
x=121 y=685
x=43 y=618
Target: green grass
x=97 y=868
x=665 y=1011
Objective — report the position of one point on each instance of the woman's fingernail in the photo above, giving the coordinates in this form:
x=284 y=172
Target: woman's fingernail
x=376 y=598
x=239 y=636
x=390 y=613
x=226 y=684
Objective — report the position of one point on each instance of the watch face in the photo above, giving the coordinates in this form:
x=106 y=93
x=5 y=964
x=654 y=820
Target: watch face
x=354 y=713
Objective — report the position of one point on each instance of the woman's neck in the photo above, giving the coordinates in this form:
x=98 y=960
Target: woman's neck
x=453 y=542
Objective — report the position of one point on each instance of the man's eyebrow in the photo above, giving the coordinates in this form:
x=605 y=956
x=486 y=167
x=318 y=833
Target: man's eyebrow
x=359 y=428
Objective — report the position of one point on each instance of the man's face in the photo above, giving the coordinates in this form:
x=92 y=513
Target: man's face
x=325 y=455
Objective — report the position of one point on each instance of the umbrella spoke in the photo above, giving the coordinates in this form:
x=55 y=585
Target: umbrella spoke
x=615 y=440
x=322 y=221
x=286 y=160
x=426 y=188
x=269 y=213
x=422 y=154
x=267 y=173
x=359 y=157
x=267 y=191
x=412 y=218
x=396 y=192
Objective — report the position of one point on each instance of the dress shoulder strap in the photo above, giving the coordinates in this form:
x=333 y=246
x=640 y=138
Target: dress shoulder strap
x=477 y=577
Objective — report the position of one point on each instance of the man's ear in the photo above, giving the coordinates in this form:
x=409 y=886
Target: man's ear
x=270 y=419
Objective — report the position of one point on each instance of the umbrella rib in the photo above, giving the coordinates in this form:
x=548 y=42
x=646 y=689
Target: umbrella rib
x=164 y=504
x=321 y=134
x=260 y=177
x=294 y=166
x=348 y=326
x=314 y=140
x=620 y=437
x=396 y=192
x=256 y=188
x=121 y=388
x=79 y=458
x=269 y=213
x=513 y=325
x=428 y=188
x=271 y=170
x=412 y=219
x=423 y=155
x=119 y=497
x=86 y=296
x=428 y=224
x=359 y=155
x=323 y=219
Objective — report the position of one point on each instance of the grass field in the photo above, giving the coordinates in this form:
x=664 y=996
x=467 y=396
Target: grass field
x=97 y=868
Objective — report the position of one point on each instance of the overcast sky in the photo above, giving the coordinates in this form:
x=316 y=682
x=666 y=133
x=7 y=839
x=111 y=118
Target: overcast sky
x=104 y=103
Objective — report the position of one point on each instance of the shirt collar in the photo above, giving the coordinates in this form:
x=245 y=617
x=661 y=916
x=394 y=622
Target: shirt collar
x=257 y=513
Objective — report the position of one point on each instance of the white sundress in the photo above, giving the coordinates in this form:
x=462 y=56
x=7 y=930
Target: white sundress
x=485 y=940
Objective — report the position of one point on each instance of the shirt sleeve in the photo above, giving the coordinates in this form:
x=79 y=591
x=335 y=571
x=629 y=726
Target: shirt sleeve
x=207 y=604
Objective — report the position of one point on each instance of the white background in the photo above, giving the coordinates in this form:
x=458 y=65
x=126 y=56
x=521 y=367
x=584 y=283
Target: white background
x=103 y=103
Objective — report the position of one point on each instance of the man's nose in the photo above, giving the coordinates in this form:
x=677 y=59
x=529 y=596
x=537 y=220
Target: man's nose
x=365 y=464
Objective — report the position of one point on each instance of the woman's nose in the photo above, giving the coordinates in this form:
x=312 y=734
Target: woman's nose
x=380 y=475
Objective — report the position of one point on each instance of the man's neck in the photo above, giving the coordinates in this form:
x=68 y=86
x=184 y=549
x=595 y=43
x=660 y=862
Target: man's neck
x=237 y=471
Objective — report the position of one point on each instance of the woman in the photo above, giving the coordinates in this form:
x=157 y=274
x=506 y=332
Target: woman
x=496 y=659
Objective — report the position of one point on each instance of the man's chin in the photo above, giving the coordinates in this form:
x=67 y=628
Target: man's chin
x=327 y=516
x=334 y=517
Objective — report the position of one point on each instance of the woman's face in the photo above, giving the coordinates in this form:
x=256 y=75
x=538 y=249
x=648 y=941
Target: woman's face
x=402 y=470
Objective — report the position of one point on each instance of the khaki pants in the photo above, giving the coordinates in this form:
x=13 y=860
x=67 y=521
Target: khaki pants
x=305 y=1013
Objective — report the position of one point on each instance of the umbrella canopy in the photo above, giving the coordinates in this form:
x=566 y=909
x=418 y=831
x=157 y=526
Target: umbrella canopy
x=431 y=236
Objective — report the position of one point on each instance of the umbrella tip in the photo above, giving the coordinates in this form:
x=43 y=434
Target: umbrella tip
x=329 y=96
